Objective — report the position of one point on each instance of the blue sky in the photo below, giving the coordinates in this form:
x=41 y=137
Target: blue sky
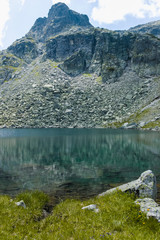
x=18 y=16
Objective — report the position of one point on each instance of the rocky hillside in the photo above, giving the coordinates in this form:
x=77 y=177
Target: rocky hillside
x=66 y=73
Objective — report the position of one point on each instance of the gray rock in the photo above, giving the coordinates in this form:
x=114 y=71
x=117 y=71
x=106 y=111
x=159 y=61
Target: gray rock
x=142 y=124
x=144 y=186
x=130 y=125
x=68 y=111
x=150 y=207
x=21 y=203
x=125 y=125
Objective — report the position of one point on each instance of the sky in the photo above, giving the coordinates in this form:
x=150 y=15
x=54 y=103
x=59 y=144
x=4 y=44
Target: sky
x=18 y=16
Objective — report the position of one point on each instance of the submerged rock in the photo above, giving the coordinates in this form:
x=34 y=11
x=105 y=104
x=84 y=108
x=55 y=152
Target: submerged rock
x=144 y=186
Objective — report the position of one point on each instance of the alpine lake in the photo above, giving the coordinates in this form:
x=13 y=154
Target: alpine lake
x=75 y=163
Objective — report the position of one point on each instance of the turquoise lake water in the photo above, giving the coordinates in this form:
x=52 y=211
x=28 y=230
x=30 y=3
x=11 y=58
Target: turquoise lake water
x=74 y=162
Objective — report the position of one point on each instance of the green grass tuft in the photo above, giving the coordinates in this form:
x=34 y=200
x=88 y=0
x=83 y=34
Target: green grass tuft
x=99 y=79
x=119 y=218
x=87 y=75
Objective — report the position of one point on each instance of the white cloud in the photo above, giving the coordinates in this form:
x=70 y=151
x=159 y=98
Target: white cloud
x=22 y=2
x=4 y=17
x=63 y=1
x=92 y=1
x=109 y=11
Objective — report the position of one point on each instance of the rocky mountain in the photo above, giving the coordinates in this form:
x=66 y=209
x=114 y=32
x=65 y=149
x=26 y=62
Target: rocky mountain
x=66 y=73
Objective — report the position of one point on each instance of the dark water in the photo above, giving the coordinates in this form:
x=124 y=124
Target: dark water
x=74 y=162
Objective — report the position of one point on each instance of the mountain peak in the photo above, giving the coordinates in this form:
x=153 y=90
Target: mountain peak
x=60 y=19
x=58 y=10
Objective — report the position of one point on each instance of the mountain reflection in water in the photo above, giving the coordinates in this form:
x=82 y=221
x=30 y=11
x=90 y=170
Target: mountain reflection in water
x=74 y=162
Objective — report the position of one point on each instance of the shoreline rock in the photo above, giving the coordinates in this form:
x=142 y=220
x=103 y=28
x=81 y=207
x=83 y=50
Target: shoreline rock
x=144 y=186
x=150 y=207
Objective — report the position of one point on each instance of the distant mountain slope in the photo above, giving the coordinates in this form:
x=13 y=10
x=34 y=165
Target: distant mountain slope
x=150 y=28
x=66 y=73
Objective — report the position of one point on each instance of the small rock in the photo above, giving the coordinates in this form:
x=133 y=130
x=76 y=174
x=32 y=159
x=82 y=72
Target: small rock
x=130 y=125
x=129 y=97
x=68 y=111
x=21 y=203
x=142 y=124
x=125 y=125
x=92 y=207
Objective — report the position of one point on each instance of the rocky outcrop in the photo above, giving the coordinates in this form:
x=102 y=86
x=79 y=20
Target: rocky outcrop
x=9 y=64
x=25 y=49
x=105 y=52
x=65 y=45
x=145 y=186
x=145 y=58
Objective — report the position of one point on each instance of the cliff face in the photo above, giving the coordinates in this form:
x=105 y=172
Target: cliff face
x=65 y=72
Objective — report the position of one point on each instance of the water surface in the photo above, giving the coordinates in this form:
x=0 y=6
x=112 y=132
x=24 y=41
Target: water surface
x=74 y=162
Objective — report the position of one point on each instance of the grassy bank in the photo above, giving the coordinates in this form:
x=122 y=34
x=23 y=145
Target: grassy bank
x=118 y=218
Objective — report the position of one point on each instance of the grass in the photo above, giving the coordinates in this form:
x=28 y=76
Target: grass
x=152 y=124
x=9 y=68
x=99 y=79
x=136 y=117
x=119 y=218
x=87 y=75
x=139 y=115
x=53 y=64
x=113 y=125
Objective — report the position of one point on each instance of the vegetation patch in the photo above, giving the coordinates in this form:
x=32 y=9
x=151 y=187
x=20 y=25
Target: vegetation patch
x=114 y=124
x=99 y=79
x=119 y=218
x=53 y=64
x=87 y=75
x=152 y=124
x=139 y=115
x=9 y=68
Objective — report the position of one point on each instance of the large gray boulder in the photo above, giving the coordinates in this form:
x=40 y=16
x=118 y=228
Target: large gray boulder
x=144 y=186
